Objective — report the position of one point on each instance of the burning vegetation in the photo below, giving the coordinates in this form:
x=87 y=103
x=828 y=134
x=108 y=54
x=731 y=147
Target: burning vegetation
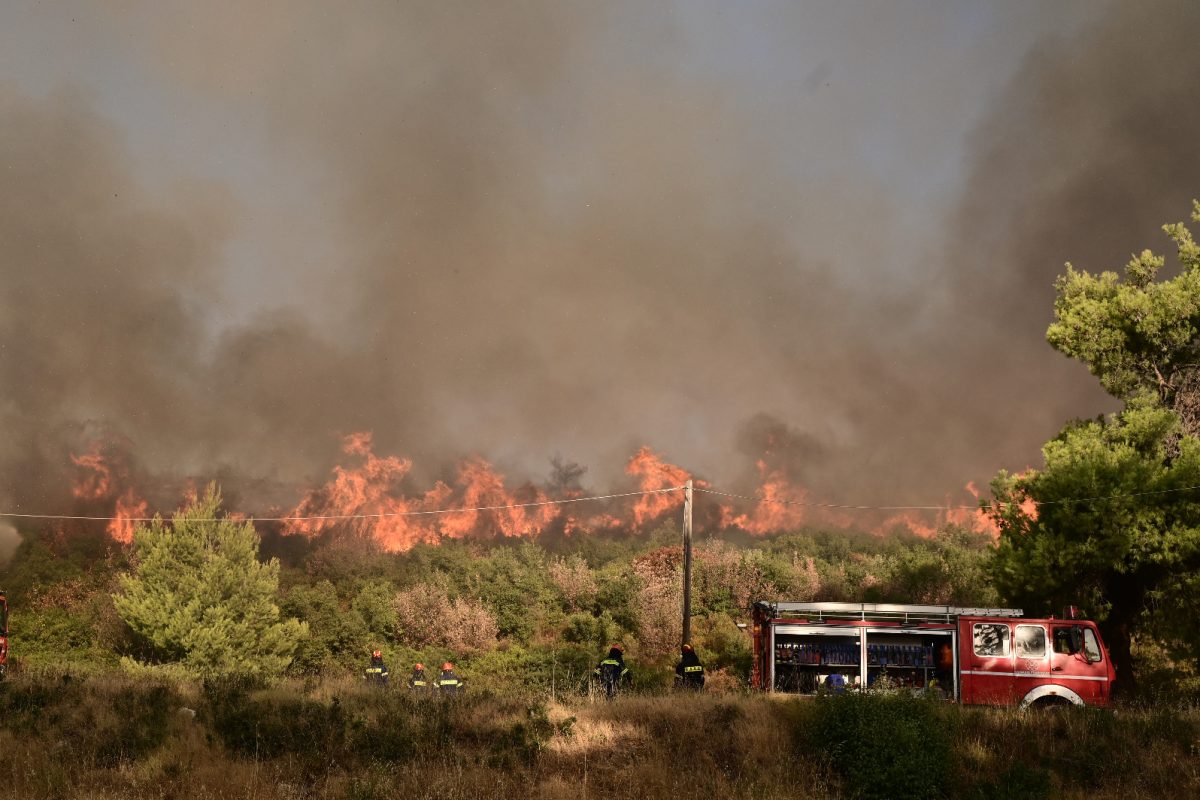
x=104 y=480
x=374 y=498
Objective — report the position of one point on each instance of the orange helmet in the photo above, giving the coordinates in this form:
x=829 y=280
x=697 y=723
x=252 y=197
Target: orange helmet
x=376 y=654
x=419 y=667
x=447 y=666
x=619 y=647
x=687 y=648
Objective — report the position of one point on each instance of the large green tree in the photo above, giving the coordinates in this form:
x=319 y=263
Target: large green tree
x=1138 y=335
x=1116 y=524
x=202 y=600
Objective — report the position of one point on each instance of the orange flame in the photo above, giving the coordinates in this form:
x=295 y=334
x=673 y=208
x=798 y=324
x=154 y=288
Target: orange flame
x=653 y=474
x=96 y=483
x=772 y=512
x=1029 y=508
x=368 y=500
x=365 y=497
x=483 y=487
x=104 y=479
x=926 y=524
x=130 y=508
x=363 y=500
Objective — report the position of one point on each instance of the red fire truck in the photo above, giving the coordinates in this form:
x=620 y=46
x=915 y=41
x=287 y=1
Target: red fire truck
x=989 y=656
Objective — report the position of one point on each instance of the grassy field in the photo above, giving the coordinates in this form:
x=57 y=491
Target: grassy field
x=114 y=737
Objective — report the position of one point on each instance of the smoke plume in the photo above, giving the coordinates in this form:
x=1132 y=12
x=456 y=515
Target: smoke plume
x=540 y=233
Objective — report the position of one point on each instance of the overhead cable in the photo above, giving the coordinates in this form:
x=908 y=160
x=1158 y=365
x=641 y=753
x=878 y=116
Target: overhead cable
x=950 y=507
x=828 y=505
x=344 y=517
x=668 y=490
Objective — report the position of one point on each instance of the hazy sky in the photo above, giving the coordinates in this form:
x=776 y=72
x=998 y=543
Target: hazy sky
x=233 y=232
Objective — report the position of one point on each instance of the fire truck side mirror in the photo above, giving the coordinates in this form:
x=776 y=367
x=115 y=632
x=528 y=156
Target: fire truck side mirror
x=1076 y=639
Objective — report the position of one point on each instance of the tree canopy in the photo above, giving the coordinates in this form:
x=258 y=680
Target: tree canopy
x=1117 y=519
x=202 y=600
x=1138 y=335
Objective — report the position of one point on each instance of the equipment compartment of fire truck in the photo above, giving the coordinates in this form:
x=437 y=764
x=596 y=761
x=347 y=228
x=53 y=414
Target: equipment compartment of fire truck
x=973 y=655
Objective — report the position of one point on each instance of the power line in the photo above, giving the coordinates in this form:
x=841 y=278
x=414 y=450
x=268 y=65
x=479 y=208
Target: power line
x=830 y=505
x=776 y=501
x=344 y=517
x=1115 y=496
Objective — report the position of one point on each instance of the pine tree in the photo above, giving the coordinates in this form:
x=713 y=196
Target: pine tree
x=1117 y=526
x=201 y=598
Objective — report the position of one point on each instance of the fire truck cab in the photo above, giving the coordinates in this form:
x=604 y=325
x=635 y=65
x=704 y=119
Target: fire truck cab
x=984 y=656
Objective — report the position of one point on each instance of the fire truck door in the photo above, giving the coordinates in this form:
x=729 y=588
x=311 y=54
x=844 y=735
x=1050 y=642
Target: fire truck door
x=1077 y=662
x=988 y=667
x=1032 y=652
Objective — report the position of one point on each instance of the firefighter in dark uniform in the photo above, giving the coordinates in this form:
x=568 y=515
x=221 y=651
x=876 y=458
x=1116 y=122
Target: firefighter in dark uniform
x=689 y=672
x=943 y=670
x=448 y=683
x=377 y=672
x=612 y=672
x=417 y=681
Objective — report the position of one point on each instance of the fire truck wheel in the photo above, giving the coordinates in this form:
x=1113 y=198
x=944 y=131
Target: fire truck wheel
x=1050 y=696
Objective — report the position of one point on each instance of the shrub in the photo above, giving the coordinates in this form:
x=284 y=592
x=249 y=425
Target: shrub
x=86 y=721
x=885 y=746
x=335 y=635
x=575 y=582
x=561 y=668
x=585 y=629
x=659 y=593
x=426 y=616
x=1019 y=780
x=273 y=725
x=373 y=604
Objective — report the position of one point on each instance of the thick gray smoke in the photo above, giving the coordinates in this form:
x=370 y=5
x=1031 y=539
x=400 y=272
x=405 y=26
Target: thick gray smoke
x=1091 y=149
x=544 y=236
x=102 y=326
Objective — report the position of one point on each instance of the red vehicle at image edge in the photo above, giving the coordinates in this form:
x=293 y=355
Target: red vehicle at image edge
x=981 y=656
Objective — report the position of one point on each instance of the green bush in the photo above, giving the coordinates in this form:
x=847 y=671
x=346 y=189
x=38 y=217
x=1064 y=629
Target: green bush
x=273 y=725
x=336 y=636
x=560 y=668
x=885 y=746
x=58 y=636
x=586 y=629
x=519 y=745
x=1019 y=780
x=373 y=605
x=85 y=721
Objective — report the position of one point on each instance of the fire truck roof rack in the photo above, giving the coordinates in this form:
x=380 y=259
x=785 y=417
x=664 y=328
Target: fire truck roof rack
x=894 y=612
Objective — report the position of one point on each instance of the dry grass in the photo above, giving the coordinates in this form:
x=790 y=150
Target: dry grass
x=336 y=739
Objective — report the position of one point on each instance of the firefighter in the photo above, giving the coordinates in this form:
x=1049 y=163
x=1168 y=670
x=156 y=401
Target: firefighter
x=448 y=683
x=377 y=672
x=417 y=681
x=612 y=672
x=943 y=669
x=689 y=672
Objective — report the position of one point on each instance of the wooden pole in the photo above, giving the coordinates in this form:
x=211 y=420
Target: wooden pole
x=687 y=563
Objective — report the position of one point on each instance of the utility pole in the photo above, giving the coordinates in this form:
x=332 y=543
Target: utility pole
x=687 y=563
